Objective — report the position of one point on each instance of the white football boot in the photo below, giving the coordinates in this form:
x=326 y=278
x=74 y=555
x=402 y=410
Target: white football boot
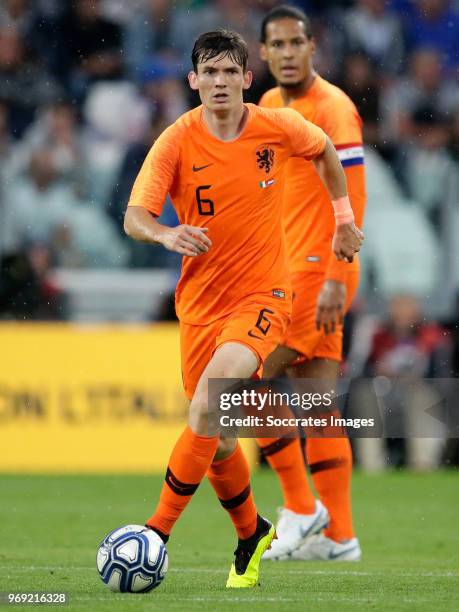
x=293 y=530
x=321 y=548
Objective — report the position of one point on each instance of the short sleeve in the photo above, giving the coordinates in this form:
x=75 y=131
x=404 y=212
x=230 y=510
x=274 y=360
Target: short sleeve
x=341 y=121
x=158 y=172
x=306 y=139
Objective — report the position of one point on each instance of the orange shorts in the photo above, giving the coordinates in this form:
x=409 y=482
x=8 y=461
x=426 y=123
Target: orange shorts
x=302 y=335
x=259 y=322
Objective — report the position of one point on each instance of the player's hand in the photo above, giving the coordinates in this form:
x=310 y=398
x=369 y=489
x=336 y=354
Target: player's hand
x=187 y=240
x=347 y=241
x=330 y=306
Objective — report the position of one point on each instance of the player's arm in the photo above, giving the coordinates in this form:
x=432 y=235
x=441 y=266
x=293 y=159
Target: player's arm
x=344 y=127
x=159 y=173
x=141 y=224
x=355 y=178
x=348 y=238
x=309 y=141
x=341 y=121
x=331 y=301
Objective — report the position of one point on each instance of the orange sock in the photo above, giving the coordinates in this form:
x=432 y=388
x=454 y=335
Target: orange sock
x=230 y=478
x=285 y=457
x=188 y=464
x=330 y=464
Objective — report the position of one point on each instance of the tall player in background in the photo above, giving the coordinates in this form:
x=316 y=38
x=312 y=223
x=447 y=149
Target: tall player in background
x=223 y=164
x=323 y=290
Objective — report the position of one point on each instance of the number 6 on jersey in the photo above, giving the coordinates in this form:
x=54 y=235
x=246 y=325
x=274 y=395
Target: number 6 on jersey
x=205 y=205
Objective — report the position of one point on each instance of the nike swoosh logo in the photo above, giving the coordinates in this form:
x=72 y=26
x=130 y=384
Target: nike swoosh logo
x=252 y=335
x=316 y=526
x=333 y=555
x=305 y=532
x=198 y=168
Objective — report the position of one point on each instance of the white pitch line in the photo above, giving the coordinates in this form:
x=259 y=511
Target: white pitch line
x=215 y=598
x=292 y=572
x=190 y=598
x=252 y=599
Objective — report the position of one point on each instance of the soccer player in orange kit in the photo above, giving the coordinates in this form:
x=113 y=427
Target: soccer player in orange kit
x=323 y=290
x=222 y=164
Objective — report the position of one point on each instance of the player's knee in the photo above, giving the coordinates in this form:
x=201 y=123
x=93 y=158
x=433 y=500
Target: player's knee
x=203 y=417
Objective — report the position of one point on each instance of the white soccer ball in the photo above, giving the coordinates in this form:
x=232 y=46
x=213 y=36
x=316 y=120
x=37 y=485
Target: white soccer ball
x=132 y=559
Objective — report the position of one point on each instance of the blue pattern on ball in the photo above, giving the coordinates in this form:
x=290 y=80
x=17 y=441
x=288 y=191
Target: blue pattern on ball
x=141 y=566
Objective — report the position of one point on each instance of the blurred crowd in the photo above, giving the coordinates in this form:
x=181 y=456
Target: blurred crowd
x=87 y=85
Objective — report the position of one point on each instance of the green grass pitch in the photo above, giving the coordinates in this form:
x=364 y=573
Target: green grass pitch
x=407 y=524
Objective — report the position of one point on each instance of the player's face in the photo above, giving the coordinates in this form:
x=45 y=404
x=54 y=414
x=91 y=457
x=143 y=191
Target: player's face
x=288 y=52
x=220 y=82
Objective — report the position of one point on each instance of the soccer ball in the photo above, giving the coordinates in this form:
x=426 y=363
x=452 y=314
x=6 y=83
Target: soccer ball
x=132 y=559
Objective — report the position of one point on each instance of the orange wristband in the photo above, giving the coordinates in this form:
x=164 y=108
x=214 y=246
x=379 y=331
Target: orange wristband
x=343 y=210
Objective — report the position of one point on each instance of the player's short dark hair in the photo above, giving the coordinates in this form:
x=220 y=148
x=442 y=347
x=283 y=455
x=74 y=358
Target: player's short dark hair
x=284 y=11
x=220 y=42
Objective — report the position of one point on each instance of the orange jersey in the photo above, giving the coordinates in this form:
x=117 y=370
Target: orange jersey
x=308 y=214
x=235 y=189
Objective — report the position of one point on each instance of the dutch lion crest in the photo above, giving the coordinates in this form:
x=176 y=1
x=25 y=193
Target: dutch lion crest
x=265 y=158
